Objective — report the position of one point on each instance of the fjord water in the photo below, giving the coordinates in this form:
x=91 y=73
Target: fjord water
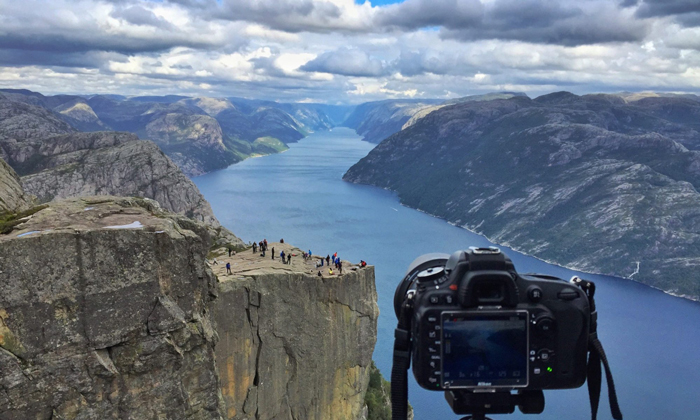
x=652 y=339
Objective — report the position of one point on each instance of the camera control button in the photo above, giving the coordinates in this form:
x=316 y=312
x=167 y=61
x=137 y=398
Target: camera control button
x=448 y=299
x=545 y=355
x=537 y=371
x=432 y=380
x=432 y=350
x=434 y=299
x=432 y=334
x=545 y=325
x=534 y=293
x=567 y=294
x=432 y=319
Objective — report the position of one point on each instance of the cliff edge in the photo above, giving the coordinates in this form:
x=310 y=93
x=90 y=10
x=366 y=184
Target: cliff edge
x=109 y=309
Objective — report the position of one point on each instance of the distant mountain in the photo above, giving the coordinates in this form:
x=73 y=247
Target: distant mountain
x=636 y=96
x=591 y=182
x=199 y=134
x=375 y=121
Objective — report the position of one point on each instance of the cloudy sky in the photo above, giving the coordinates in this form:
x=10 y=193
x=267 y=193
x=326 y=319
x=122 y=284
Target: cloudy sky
x=345 y=51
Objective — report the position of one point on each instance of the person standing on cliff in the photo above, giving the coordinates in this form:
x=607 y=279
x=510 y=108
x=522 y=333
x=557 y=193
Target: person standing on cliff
x=265 y=242
x=282 y=256
x=289 y=258
x=340 y=266
x=255 y=247
x=228 y=268
x=272 y=254
x=328 y=260
x=229 y=252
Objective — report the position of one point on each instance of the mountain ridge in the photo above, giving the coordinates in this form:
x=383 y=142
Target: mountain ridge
x=558 y=178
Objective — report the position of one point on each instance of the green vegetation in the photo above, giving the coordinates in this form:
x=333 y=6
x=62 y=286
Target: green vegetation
x=377 y=397
x=268 y=145
x=8 y=221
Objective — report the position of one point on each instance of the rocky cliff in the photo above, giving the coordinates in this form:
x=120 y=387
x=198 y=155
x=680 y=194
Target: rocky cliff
x=109 y=310
x=57 y=162
x=12 y=197
x=98 y=321
x=590 y=182
x=294 y=345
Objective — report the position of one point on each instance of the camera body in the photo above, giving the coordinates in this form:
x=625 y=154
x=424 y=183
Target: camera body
x=476 y=324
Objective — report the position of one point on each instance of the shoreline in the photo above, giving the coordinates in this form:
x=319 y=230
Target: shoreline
x=695 y=299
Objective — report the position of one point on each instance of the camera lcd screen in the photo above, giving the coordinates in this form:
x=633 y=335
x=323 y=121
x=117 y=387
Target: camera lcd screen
x=485 y=350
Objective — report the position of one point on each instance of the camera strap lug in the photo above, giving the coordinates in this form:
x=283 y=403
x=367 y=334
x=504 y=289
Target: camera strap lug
x=401 y=362
x=596 y=356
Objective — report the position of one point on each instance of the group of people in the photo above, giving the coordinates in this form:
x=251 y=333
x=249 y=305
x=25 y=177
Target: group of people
x=287 y=256
x=262 y=245
x=336 y=262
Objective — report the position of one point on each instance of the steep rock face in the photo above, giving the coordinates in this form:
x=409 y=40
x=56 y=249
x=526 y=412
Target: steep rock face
x=100 y=323
x=108 y=163
x=577 y=181
x=12 y=197
x=294 y=345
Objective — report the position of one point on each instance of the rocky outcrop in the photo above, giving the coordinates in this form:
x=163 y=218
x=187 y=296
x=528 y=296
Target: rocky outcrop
x=99 y=322
x=12 y=197
x=294 y=345
x=591 y=182
x=109 y=310
x=57 y=162
x=109 y=163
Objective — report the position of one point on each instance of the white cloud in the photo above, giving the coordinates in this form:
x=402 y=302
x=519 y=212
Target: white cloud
x=337 y=50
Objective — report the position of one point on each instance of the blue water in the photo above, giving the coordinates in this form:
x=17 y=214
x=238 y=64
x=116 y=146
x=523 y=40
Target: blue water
x=652 y=339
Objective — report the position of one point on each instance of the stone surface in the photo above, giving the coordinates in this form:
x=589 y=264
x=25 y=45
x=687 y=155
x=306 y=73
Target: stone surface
x=12 y=197
x=293 y=345
x=100 y=323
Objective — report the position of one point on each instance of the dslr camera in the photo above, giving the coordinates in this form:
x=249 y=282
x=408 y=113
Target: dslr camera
x=476 y=329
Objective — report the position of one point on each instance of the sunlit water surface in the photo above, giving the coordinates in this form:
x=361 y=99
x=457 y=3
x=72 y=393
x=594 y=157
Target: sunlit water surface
x=652 y=339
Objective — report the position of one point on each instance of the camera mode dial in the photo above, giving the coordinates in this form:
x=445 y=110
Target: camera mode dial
x=431 y=274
